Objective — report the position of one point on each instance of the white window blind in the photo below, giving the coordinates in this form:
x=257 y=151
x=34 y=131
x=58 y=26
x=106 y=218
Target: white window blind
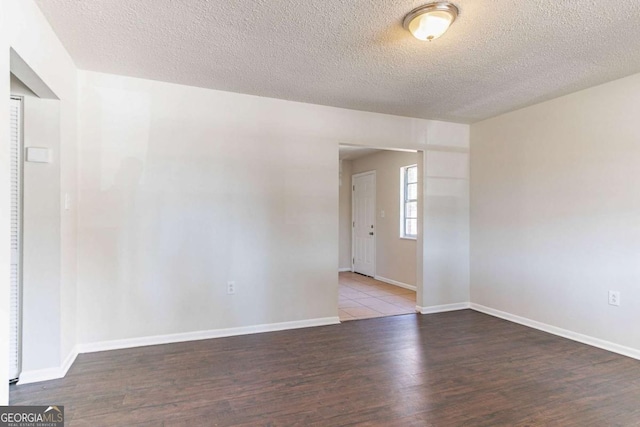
x=15 y=112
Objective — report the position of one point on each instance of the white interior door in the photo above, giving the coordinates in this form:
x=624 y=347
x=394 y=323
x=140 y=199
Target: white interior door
x=15 y=122
x=363 y=208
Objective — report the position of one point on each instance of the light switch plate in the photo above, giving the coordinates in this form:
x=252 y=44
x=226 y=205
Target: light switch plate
x=38 y=155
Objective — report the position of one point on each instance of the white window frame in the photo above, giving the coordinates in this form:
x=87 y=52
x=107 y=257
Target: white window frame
x=404 y=194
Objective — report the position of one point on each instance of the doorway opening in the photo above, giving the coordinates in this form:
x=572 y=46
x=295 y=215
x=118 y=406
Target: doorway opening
x=378 y=212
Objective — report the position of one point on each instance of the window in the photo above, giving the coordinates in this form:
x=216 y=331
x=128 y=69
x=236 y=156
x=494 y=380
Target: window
x=409 y=202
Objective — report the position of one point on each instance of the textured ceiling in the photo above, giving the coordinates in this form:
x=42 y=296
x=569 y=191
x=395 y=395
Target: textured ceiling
x=498 y=56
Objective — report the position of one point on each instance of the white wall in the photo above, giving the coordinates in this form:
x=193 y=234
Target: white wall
x=183 y=189
x=555 y=209
x=446 y=227
x=29 y=35
x=41 y=329
x=395 y=257
x=344 y=214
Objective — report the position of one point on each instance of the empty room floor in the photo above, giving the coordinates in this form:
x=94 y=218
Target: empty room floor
x=446 y=369
x=363 y=297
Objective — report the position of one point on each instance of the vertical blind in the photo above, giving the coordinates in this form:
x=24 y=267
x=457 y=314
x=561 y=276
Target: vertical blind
x=15 y=241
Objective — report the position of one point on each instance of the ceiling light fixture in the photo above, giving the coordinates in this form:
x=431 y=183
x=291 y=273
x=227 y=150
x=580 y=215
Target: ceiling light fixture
x=430 y=21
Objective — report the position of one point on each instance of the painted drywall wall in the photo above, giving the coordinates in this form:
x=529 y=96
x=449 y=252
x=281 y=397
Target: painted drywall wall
x=41 y=329
x=395 y=257
x=184 y=189
x=28 y=36
x=446 y=227
x=555 y=206
x=344 y=214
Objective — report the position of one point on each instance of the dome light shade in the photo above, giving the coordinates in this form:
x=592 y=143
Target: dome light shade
x=430 y=21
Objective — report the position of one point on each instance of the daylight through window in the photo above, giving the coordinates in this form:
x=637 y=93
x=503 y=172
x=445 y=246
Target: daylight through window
x=409 y=202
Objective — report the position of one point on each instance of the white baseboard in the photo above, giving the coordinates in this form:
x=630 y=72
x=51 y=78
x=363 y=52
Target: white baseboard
x=394 y=282
x=345 y=269
x=66 y=365
x=27 y=377
x=38 y=375
x=575 y=336
x=442 y=308
x=203 y=335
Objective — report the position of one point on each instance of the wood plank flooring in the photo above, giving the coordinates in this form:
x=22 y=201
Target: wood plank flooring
x=448 y=369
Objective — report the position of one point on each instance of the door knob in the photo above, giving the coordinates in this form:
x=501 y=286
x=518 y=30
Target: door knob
x=371 y=233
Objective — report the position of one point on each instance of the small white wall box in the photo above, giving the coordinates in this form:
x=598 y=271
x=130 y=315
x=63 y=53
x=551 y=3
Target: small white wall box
x=38 y=155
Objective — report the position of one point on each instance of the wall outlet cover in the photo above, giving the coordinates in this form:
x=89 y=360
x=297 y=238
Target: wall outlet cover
x=614 y=298
x=231 y=288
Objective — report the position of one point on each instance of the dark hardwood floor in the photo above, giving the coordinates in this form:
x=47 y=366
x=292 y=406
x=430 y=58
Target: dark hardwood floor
x=448 y=369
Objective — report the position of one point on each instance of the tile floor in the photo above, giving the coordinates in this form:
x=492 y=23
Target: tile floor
x=363 y=297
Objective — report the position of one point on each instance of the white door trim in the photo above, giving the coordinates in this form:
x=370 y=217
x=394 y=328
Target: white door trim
x=375 y=226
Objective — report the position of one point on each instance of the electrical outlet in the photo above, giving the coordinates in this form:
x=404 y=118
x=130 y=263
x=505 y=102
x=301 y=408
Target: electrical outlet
x=231 y=288
x=614 y=298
